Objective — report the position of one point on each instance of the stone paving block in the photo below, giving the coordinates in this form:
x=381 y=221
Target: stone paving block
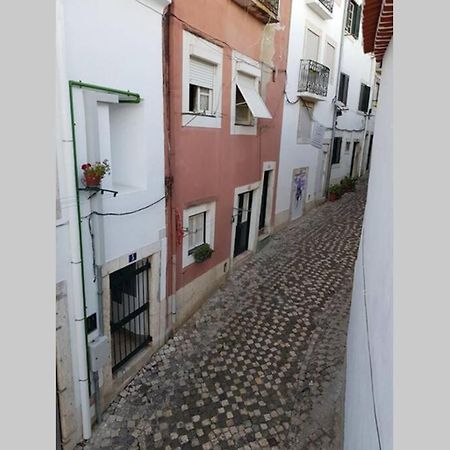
x=262 y=363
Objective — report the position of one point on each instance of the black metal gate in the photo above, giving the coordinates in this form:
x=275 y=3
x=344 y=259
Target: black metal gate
x=243 y=222
x=130 y=327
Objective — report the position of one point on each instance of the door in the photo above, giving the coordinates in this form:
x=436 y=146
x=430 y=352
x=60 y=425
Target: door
x=356 y=156
x=370 y=153
x=243 y=222
x=323 y=170
x=263 y=211
x=298 y=191
x=130 y=304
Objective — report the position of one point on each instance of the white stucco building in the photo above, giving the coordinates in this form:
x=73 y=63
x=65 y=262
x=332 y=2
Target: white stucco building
x=111 y=243
x=317 y=74
x=369 y=380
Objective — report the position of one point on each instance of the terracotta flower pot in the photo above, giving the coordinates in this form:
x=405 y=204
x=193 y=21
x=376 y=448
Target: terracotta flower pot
x=92 y=180
x=332 y=196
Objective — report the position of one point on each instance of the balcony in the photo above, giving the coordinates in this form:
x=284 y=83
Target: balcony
x=313 y=80
x=324 y=8
x=264 y=10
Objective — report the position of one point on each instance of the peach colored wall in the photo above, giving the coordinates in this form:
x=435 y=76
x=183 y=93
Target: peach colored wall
x=209 y=163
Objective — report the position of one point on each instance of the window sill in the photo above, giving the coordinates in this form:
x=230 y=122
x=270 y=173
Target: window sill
x=198 y=114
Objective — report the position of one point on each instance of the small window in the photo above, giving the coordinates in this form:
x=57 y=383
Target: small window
x=243 y=114
x=343 y=88
x=353 y=19
x=347 y=146
x=197 y=231
x=200 y=100
x=201 y=84
x=336 y=157
x=364 y=96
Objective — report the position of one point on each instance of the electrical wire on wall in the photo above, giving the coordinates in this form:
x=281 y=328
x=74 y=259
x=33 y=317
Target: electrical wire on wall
x=102 y=214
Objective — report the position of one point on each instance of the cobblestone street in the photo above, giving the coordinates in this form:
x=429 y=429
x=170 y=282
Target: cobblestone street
x=262 y=363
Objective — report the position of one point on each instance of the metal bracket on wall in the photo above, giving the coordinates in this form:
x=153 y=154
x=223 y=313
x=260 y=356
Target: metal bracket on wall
x=96 y=189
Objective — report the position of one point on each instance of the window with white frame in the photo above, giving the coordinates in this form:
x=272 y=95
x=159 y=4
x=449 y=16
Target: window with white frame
x=247 y=103
x=202 y=82
x=201 y=85
x=198 y=229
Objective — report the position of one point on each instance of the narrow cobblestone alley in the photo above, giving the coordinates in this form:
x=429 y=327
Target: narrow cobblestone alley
x=262 y=363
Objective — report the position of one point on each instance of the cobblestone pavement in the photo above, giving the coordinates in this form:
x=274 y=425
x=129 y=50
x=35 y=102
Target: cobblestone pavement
x=262 y=363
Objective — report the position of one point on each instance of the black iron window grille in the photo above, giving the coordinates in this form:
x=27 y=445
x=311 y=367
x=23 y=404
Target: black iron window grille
x=328 y=4
x=313 y=77
x=130 y=302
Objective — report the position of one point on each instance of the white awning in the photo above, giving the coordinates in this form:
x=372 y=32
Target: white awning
x=252 y=97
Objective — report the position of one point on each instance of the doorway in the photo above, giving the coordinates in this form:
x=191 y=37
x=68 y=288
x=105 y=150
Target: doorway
x=356 y=155
x=243 y=219
x=298 y=191
x=264 y=195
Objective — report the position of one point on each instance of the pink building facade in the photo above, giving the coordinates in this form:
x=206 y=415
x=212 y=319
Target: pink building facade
x=225 y=79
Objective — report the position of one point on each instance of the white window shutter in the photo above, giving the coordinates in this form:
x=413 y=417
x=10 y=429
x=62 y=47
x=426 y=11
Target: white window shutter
x=201 y=73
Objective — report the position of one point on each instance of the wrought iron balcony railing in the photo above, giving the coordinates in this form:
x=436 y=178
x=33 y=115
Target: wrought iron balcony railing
x=263 y=10
x=313 y=77
x=272 y=5
x=328 y=4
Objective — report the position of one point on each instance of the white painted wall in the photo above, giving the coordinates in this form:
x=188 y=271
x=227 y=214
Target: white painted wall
x=102 y=49
x=116 y=44
x=361 y=69
x=294 y=155
x=360 y=429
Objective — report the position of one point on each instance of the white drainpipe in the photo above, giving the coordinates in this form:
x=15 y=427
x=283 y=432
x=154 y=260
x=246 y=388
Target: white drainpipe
x=68 y=191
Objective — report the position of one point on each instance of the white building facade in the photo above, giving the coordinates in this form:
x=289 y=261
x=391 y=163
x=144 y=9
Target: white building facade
x=320 y=31
x=111 y=241
x=369 y=379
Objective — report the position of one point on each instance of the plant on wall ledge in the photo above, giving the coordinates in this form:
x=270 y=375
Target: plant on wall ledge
x=202 y=253
x=94 y=173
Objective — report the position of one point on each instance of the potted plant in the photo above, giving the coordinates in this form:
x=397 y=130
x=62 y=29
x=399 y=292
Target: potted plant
x=348 y=184
x=93 y=173
x=334 y=192
x=202 y=253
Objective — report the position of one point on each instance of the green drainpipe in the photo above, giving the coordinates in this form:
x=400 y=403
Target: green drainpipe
x=131 y=97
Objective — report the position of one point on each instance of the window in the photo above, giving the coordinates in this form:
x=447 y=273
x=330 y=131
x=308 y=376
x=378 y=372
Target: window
x=353 y=19
x=343 y=88
x=347 y=146
x=364 y=95
x=304 y=124
x=202 y=82
x=247 y=103
x=329 y=57
x=198 y=229
x=243 y=114
x=312 y=45
x=376 y=93
x=336 y=157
